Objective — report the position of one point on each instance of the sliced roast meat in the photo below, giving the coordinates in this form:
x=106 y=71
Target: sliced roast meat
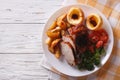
x=69 y=39
x=68 y=52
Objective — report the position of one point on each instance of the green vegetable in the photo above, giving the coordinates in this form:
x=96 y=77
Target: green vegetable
x=97 y=61
x=87 y=62
x=102 y=51
x=90 y=59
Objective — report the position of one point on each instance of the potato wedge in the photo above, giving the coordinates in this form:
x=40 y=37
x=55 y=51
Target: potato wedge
x=57 y=29
x=62 y=18
x=62 y=32
x=53 y=35
x=51 y=50
x=55 y=43
x=57 y=52
x=61 y=21
x=62 y=25
x=53 y=25
x=49 y=41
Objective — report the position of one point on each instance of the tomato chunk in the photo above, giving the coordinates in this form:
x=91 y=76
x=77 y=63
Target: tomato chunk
x=99 y=44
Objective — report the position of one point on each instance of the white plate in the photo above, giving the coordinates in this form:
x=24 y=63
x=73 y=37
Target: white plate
x=61 y=65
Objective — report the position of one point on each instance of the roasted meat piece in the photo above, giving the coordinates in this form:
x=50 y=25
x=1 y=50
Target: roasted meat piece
x=68 y=52
x=69 y=39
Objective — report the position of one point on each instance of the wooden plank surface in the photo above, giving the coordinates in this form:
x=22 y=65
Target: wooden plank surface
x=21 y=38
x=21 y=26
x=27 y=11
x=22 y=67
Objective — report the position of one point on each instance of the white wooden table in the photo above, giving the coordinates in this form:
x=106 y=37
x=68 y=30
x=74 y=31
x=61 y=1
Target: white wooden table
x=21 y=26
